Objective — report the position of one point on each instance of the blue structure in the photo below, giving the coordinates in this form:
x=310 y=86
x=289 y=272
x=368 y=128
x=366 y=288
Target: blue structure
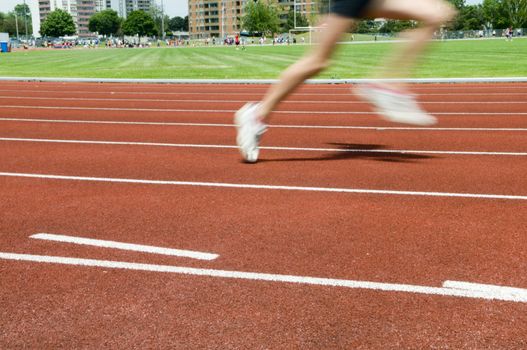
x=4 y=42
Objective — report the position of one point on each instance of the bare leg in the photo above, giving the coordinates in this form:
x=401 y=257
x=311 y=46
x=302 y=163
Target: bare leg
x=431 y=13
x=312 y=63
x=250 y=120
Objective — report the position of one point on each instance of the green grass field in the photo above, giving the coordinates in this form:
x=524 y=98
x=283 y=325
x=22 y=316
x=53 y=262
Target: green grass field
x=476 y=58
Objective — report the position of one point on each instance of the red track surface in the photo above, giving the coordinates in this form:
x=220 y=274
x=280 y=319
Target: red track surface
x=366 y=237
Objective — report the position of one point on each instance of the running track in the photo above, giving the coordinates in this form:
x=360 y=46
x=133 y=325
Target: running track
x=339 y=195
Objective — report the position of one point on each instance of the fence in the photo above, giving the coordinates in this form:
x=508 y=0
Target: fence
x=473 y=34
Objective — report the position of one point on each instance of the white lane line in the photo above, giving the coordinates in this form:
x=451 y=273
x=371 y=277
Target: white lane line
x=487 y=288
x=226 y=83
x=243 y=101
x=282 y=126
x=265 y=187
x=256 y=93
x=170 y=110
x=255 y=276
x=273 y=148
x=32 y=120
x=125 y=246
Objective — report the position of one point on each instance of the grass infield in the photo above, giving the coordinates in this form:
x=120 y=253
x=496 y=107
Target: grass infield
x=467 y=58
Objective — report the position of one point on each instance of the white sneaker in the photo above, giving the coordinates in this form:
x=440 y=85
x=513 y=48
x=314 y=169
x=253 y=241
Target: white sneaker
x=395 y=106
x=250 y=130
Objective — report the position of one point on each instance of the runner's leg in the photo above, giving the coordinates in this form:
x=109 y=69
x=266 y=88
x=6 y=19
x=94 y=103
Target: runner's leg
x=312 y=63
x=431 y=13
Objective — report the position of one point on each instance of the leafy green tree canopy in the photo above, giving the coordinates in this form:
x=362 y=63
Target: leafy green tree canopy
x=261 y=16
x=516 y=12
x=24 y=18
x=178 y=24
x=491 y=14
x=393 y=26
x=22 y=10
x=106 y=22
x=7 y=24
x=139 y=22
x=58 y=23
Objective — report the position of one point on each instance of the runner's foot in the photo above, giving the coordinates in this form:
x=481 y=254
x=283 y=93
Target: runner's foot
x=249 y=131
x=394 y=105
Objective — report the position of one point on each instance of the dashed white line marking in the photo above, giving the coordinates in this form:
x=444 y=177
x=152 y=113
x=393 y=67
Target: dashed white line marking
x=489 y=294
x=125 y=246
x=265 y=187
x=301 y=149
x=284 y=126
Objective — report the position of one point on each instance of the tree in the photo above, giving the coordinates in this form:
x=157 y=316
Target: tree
x=261 y=16
x=21 y=16
x=301 y=20
x=58 y=23
x=9 y=24
x=458 y=4
x=491 y=14
x=516 y=12
x=365 y=26
x=177 y=24
x=106 y=22
x=22 y=10
x=23 y=13
x=472 y=17
x=396 y=26
x=139 y=22
x=160 y=19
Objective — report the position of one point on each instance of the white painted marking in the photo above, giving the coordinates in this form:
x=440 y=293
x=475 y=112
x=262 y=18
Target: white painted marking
x=284 y=126
x=244 y=101
x=487 y=288
x=265 y=187
x=118 y=143
x=274 y=148
x=273 y=81
x=233 y=110
x=339 y=92
x=125 y=246
x=32 y=120
x=255 y=276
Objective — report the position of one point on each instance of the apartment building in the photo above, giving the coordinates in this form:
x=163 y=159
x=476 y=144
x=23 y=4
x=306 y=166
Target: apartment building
x=214 y=18
x=85 y=9
x=222 y=18
x=134 y=5
x=82 y=10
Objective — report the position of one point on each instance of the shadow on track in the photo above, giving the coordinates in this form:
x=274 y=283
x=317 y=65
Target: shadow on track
x=359 y=151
